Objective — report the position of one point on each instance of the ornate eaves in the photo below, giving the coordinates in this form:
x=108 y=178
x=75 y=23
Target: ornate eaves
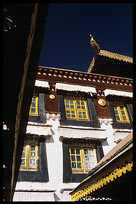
x=65 y=74
x=111 y=55
x=116 y=56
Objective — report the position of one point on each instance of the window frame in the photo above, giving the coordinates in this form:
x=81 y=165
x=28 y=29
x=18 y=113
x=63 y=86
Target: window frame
x=36 y=106
x=75 y=100
x=27 y=157
x=119 y=113
x=92 y=114
x=127 y=103
x=83 y=147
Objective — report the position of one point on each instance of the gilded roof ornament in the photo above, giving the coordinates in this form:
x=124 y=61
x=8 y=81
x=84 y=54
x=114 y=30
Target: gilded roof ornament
x=94 y=45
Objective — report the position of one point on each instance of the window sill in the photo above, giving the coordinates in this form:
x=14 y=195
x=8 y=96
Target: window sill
x=29 y=170
x=81 y=172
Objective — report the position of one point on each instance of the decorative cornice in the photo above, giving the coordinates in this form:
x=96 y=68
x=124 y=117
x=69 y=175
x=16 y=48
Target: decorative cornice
x=43 y=84
x=38 y=129
x=53 y=116
x=105 y=121
x=118 y=93
x=70 y=87
x=100 y=92
x=80 y=132
x=116 y=173
x=83 y=76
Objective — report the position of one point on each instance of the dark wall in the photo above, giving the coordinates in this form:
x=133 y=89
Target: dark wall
x=8 y=148
x=51 y=104
x=15 y=44
x=102 y=111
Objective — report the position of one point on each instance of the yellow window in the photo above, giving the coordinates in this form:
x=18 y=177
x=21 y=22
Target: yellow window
x=82 y=158
x=76 y=109
x=121 y=114
x=29 y=158
x=34 y=107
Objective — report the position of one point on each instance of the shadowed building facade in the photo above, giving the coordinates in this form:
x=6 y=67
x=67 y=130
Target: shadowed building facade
x=75 y=119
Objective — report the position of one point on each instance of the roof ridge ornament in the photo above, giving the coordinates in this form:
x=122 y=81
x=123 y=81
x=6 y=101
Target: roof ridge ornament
x=116 y=56
x=94 y=44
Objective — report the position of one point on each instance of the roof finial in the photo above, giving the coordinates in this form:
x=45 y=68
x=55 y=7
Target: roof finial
x=94 y=45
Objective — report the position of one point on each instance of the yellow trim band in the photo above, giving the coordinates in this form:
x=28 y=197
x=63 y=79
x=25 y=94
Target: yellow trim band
x=104 y=181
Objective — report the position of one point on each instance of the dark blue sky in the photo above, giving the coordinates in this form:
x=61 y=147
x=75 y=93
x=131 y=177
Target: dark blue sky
x=66 y=41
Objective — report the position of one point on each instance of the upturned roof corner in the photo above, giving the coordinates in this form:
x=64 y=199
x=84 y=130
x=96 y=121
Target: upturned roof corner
x=94 y=44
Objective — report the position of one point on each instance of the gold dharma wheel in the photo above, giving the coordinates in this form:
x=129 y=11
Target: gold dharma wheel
x=51 y=96
x=102 y=102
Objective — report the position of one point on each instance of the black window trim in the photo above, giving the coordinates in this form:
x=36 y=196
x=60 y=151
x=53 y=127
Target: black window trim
x=127 y=103
x=42 y=174
x=68 y=176
x=41 y=118
x=91 y=111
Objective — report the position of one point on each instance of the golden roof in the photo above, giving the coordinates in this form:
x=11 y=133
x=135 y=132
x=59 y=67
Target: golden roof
x=109 y=55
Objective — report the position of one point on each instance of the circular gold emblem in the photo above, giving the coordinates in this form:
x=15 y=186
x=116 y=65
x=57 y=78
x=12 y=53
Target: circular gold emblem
x=51 y=96
x=101 y=102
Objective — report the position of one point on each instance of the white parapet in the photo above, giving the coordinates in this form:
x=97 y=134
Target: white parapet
x=118 y=93
x=73 y=87
x=41 y=129
x=44 y=84
x=81 y=132
x=120 y=134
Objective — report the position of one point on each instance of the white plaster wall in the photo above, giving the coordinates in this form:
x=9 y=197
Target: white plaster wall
x=55 y=189
x=109 y=143
x=42 y=196
x=55 y=170
x=54 y=157
x=40 y=186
